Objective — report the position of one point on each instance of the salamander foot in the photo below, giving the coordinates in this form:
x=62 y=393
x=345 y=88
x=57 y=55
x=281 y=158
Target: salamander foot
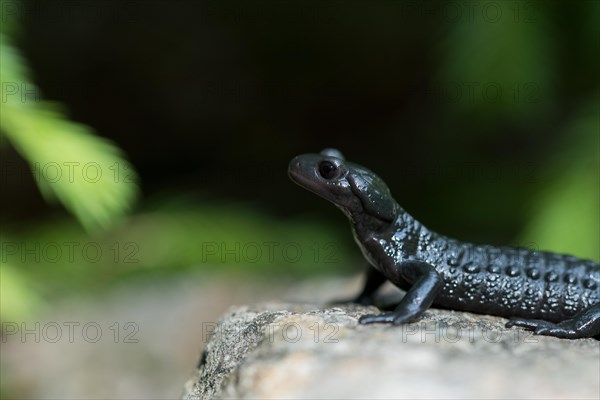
x=387 y=317
x=583 y=325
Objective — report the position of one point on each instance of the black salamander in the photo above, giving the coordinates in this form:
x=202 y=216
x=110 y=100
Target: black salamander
x=547 y=293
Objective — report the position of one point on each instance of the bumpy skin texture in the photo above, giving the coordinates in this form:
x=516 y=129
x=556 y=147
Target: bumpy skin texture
x=550 y=294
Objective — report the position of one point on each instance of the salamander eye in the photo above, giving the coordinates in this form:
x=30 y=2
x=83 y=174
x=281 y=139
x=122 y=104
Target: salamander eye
x=328 y=170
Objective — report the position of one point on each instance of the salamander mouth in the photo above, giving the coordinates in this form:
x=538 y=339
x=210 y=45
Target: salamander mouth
x=301 y=179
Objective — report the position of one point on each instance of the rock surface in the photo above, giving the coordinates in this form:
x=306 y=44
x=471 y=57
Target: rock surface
x=310 y=351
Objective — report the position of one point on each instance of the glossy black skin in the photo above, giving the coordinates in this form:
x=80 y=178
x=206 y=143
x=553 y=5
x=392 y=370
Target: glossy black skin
x=550 y=294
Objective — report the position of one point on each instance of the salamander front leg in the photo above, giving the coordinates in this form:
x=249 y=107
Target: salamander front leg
x=583 y=325
x=426 y=286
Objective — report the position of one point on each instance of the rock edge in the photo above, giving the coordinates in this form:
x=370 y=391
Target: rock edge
x=277 y=350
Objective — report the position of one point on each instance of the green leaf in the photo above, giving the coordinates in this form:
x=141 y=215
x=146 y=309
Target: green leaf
x=86 y=173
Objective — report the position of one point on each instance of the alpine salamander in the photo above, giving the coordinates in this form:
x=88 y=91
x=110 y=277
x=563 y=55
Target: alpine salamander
x=547 y=293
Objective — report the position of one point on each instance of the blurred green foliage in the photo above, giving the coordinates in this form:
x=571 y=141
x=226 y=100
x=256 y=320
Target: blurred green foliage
x=44 y=137
x=73 y=165
x=566 y=216
x=514 y=52
x=58 y=257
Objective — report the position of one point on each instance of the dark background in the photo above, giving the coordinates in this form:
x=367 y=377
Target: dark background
x=216 y=97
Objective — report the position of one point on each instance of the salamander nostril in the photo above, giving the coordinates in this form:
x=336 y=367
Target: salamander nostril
x=294 y=164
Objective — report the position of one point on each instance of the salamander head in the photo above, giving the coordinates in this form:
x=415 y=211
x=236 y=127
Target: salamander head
x=351 y=187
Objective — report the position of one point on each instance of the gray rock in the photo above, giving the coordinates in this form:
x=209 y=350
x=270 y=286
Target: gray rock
x=307 y=351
